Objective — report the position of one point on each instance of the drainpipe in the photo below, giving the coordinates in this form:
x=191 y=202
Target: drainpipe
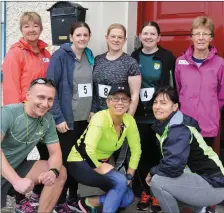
x=3 y=35
x=4 y=28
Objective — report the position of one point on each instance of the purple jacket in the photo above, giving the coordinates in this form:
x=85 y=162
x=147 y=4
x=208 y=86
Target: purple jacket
x=201 y=90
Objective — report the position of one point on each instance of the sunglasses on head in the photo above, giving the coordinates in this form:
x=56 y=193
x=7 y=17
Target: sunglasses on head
x=43 y=81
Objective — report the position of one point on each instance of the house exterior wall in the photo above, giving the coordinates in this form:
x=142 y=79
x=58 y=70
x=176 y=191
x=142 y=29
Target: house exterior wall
x=99 y=16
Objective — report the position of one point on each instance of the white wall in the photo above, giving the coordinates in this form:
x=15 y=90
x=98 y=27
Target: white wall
x=99 y=16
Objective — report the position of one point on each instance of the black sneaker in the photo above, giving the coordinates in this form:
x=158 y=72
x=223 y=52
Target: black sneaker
x=210 y=209
x=84 y=208
x=144 y=201
x=62 y=208
x=155 y=207
x=73 y=205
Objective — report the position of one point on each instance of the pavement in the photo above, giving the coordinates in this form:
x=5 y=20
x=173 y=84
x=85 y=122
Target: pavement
x=86 y=191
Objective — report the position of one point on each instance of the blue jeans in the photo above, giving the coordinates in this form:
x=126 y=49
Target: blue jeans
x=188 y=190
x=120 y=195
x=114 y=183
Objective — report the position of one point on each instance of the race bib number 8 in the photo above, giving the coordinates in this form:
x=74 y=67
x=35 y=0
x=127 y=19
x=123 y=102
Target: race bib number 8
x=146 y=94
x=103 y=90
x=85 y=90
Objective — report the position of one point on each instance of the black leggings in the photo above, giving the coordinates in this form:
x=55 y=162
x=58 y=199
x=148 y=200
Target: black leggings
x=150 y=157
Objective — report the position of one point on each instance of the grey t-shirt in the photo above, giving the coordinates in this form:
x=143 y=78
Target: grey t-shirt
x=107 y=73
x=82 y=89
x=22 y=132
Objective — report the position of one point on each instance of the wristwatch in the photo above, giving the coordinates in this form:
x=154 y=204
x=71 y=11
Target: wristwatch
x=129 y=177
x=56 y=172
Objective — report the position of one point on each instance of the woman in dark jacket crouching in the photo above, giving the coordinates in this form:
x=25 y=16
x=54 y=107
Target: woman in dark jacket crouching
x=189 y=170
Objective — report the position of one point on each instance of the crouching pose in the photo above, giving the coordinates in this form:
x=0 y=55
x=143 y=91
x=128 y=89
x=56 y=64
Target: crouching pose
x=189 y=170
x=88 y=159
x=23 y=126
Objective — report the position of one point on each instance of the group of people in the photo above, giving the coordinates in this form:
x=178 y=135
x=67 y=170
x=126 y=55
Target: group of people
x=82 y=112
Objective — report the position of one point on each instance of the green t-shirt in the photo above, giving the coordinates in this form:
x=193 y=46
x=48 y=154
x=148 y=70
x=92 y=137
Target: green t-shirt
x=22 y=133
x=101 y=139
x=151 y=70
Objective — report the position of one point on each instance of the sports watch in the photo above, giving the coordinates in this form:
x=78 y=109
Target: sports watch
x=56 y=172
x=129 y=177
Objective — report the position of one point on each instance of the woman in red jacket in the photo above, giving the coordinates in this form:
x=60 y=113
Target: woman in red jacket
x=26 y=60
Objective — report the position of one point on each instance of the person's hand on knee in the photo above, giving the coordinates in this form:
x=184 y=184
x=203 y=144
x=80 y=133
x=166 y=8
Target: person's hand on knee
x=23 y=185
x=47 y=178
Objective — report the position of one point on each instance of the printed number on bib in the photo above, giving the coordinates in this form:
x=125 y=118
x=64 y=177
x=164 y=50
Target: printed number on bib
x=84 y=90
x=104 y=90
x=146 y=94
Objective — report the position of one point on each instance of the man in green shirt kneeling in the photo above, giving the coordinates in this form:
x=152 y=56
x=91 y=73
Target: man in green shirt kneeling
x=24 y=125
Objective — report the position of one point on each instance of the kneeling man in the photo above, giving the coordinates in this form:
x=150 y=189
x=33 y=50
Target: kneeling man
x=22 y=127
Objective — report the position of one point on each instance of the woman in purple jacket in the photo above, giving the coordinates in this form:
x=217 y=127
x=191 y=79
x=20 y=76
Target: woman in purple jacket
x=199 y=77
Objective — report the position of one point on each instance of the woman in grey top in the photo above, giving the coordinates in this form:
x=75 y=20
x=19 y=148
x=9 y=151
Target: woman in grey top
x=115 y=67
x=71 y=69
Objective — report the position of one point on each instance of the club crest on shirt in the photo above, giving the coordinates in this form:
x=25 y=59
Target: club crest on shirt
x=156 y=66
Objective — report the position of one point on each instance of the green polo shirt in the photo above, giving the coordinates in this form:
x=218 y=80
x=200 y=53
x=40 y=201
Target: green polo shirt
x=150 y=69
x=101 y=139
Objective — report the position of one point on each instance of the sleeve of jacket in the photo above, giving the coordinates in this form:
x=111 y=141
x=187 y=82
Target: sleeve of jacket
x=12 y=71
x=177 y=76
x=95 y=92
x=172 y=70
x=54 y=73
x=134 y=144
x=175 y=152
x=221 y=86
x=94 y=101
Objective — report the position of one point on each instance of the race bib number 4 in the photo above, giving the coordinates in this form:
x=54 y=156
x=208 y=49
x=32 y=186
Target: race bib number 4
x=85 y=90
x=103 y=90
x=146 y=94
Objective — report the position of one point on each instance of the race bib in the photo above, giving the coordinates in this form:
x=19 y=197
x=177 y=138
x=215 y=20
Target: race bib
x=146 y=94
x=183 y=62
x=85 y=90
x=103 y=90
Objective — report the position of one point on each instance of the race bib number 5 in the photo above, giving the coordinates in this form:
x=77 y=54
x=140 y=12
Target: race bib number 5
x=146 y=94
x=103 y=90
x=85 y=90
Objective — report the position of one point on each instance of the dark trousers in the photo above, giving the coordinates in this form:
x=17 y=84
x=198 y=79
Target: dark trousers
x=67 y=141
x=150 y=157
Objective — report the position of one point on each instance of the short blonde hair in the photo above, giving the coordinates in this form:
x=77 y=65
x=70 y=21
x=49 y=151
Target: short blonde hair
x=203 y=21
x=116 y=26
x=31 y=16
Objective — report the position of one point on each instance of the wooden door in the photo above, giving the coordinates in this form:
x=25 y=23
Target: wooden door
x=175 y=18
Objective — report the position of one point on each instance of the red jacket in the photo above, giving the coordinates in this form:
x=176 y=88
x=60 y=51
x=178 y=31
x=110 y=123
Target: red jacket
x=21 y=66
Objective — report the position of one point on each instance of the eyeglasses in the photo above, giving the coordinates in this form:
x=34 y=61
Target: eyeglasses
x=117 y=99
x=43 y=81
x=205 y=35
